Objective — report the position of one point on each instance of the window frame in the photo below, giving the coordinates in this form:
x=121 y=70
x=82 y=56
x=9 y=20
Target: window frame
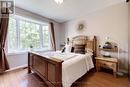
x=41 y=24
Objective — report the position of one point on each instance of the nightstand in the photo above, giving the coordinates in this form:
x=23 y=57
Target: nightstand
x=111 y=63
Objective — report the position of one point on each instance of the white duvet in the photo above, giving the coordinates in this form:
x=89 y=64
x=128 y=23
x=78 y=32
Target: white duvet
x=74 y=66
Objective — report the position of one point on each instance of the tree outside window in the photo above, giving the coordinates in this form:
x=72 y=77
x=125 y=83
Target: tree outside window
x=25 y=33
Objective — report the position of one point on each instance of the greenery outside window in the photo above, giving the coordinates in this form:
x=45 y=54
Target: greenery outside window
x=25 y=33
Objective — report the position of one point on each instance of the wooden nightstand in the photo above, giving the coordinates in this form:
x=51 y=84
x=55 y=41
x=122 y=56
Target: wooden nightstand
x=111 y=63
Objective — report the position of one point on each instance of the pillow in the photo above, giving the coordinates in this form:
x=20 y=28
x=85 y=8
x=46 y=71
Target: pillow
x=79 y=49
x=72 y=49
x=88 y=50
x=68 y=48
x=63 y=50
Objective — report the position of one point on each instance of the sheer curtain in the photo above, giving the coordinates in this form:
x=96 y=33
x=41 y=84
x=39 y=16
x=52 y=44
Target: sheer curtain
x=52 y=36
x=3 y=34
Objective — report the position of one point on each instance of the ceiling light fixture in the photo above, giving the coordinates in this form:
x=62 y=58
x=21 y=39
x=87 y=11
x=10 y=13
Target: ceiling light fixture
x=59 y=1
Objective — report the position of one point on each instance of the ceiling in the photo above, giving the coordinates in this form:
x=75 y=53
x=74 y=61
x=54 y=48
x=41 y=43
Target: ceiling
x=68 y=10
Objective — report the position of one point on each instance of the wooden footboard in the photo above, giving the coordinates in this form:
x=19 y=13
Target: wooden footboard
x=49 y=69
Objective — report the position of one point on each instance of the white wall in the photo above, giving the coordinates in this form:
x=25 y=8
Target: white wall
x=16 y=60
x=109 y=22
x=20 y=59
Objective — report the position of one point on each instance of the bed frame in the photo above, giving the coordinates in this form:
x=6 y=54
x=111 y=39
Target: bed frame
x=50 y=69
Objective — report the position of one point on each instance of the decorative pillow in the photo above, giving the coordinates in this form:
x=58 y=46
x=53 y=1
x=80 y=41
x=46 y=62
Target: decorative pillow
x=68 y=48
x=72 y=49
x=88 y=50
x=79 y=49
x=63 y=50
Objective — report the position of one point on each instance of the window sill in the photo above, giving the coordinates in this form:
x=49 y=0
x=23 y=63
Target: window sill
x=17 y=53
x=25 y=52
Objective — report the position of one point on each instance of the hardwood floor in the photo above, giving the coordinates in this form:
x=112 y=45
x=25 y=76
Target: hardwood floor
x=20 y=78
x=101 y=79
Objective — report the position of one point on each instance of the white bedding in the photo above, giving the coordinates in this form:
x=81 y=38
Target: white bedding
x=74 y=65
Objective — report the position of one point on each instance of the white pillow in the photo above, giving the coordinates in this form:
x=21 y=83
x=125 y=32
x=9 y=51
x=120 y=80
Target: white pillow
x=68 y=48
x=89 y=50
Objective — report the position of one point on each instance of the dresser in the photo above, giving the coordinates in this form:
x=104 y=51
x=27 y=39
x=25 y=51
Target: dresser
x=111 y=63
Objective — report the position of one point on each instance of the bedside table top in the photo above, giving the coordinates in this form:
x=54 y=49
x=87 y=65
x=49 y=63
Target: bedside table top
x=107 y=59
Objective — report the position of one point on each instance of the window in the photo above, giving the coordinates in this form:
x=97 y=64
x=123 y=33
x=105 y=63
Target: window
x=24 y=33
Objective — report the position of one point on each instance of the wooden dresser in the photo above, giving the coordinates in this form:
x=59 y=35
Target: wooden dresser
x=111 y=63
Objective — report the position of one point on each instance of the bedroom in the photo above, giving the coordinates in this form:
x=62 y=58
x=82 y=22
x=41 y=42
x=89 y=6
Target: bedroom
x=40 y=25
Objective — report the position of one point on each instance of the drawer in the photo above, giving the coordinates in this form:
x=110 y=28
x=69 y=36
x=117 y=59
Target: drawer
x=107 y=64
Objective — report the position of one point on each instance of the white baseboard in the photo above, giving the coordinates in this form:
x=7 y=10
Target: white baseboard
x=19 y=67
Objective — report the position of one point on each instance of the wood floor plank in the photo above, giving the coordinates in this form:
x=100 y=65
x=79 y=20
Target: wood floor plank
x=101 y=79
x=20 y=78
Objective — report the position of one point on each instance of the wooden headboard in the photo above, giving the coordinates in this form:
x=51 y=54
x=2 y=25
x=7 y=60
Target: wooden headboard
x=90 y=42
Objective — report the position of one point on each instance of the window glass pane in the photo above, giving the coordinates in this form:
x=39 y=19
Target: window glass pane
x=12 y=38
x=24 y=33
x=29 y=35
x=46 y=37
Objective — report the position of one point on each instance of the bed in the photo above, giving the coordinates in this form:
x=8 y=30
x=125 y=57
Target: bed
x=62 y=69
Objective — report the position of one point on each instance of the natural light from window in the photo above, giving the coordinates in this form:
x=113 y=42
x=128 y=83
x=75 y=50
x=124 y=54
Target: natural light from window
x=25 y=33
